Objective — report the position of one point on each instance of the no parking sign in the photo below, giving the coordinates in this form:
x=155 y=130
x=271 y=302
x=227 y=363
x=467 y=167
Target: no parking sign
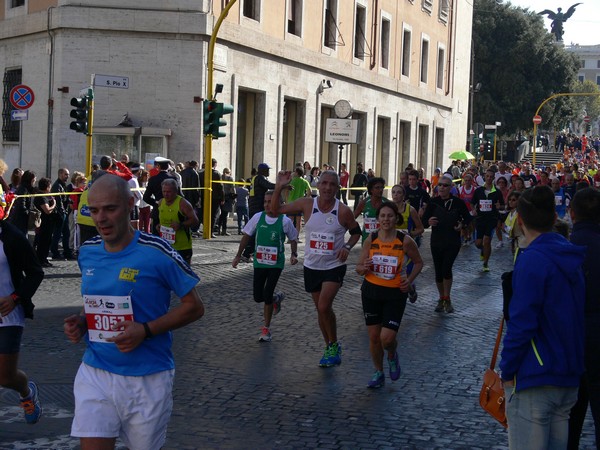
x=21 y=96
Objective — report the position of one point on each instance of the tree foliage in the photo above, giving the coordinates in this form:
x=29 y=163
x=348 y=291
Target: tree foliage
x=519 y=65
x=584 y=105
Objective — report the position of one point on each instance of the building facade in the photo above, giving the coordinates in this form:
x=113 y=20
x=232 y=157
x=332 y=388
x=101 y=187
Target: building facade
x=283 y=64
x=589 y=70
x=589 y=57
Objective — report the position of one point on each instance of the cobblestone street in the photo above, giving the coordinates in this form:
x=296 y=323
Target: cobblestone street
x=232 y=392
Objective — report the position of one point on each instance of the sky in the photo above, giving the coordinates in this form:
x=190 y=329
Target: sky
x=584 y=25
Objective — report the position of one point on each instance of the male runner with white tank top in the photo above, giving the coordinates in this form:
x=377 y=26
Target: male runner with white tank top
x=325 y=252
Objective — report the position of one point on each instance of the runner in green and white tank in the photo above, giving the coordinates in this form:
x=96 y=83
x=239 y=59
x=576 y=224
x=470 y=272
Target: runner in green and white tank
x=269 y=230
x=368 y=206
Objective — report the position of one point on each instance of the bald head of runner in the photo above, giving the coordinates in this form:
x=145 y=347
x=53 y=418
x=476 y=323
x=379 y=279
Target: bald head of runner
x=110 y=202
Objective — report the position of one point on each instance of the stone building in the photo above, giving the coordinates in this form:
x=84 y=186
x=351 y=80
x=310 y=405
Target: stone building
x=402 y=64
x=589 y=70
x=589 y=58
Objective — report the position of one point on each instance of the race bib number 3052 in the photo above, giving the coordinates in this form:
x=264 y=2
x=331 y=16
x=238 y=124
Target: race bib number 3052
x=104 y=311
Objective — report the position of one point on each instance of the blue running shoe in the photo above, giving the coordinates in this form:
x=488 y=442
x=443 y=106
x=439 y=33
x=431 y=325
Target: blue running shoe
x=332 y=355
x=394 y=367
x=31 y=405
x=326 y=359
x=377 y=381
x=336 y=353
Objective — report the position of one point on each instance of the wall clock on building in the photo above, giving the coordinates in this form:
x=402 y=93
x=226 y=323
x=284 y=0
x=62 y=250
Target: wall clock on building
x=343 y=109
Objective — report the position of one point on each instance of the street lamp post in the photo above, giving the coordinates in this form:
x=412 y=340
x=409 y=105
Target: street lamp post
x=472 y=91
x=473 y=88
x=472 y=141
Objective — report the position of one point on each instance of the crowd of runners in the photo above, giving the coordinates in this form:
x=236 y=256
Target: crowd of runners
x=131 y=233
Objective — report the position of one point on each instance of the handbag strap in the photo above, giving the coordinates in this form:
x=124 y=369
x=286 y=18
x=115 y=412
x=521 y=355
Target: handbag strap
x=497 y=346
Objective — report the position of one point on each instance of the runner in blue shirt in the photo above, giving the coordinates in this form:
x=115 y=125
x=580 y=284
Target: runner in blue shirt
x=123 y=386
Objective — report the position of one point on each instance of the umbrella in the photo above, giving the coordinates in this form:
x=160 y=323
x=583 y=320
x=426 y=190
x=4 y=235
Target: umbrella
x=462 y=155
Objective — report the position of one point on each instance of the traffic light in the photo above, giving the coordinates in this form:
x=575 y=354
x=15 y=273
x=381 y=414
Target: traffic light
x=222 y=109
x=80 y=114
x=488 y=147
x=213 y=118
x=209 y=108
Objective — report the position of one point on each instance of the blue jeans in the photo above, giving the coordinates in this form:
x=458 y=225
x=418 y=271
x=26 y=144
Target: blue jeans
x=242 y=215
x=538 y=418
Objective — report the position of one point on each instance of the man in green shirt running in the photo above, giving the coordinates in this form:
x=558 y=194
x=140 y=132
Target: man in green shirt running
x=269 y=230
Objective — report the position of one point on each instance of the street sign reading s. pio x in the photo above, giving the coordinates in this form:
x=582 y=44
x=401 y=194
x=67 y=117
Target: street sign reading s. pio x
x=111 y=81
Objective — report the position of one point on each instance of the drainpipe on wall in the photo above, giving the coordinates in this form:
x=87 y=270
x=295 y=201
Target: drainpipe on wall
x=374 y=34
x=318 y=119
x=50 y=99
x=453 y=5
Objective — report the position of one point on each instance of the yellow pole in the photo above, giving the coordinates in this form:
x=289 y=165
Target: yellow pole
x=534 y=141
x=562 y=94
x=88 y=138
x=207 y=206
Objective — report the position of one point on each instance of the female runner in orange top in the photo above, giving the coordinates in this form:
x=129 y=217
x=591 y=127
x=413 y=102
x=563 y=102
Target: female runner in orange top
x=385 y=288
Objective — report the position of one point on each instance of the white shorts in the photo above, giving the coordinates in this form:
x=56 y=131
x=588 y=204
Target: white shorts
x=136 y=409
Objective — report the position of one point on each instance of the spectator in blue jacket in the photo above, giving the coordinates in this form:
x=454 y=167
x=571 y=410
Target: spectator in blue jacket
x=543 y=352
x=585 y=213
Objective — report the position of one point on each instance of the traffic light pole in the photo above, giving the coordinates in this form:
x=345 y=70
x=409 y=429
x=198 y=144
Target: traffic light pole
x=207 y=195
x=89 y=136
